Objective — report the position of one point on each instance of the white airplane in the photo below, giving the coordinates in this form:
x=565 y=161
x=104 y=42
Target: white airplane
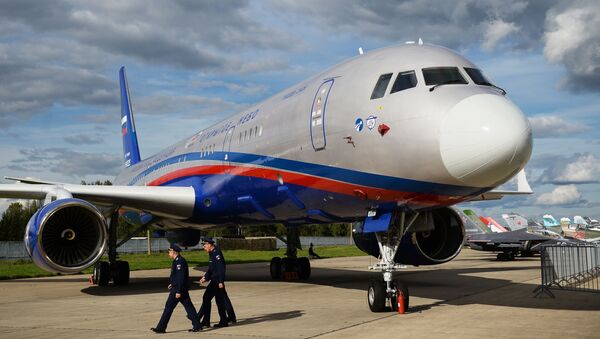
x=387 y=139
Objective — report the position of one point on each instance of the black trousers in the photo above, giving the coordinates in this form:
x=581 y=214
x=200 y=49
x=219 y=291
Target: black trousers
x=223 y=304
x=170 y=306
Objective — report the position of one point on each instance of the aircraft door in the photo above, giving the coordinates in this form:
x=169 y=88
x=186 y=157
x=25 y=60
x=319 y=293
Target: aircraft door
x=317 y=116
x=227 y=149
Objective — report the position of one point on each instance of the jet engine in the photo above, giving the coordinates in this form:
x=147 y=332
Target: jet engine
x=66 y=236
x=435 y=237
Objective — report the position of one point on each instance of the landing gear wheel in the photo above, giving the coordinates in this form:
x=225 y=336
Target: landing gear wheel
x=121 y=273
x=101 y=273
x=303 y=268
x=376 y=296
x=275 y=268
x=399 y=288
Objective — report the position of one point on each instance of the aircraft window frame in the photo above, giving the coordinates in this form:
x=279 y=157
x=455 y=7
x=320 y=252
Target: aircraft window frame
x=402 y=75
x=381 y=86
x=445 y=77
x=477 y=76
x=260 y=131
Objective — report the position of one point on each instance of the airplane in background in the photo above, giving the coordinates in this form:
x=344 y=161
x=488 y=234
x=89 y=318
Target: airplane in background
x=477 y=225
x=516 y=221
x=525 y=241
x=387 y=140
x=493 y=225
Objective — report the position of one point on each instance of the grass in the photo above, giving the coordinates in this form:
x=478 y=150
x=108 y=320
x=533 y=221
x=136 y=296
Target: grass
x=14 y=269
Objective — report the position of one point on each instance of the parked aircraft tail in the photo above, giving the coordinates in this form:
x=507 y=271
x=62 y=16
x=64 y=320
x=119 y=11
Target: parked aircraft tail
x=131 y=151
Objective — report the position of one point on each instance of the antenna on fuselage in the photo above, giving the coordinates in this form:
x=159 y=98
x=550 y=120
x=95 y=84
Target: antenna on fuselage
x=360 y=51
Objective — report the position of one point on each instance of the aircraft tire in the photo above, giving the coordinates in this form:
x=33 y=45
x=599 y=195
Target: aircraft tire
x=376 y=296
x=275 y=268
x=101 y=273
x=122 y=273
x=303 y=268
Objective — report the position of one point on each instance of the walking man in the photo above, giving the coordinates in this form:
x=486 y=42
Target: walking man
x=216 y=287
x=178 y=292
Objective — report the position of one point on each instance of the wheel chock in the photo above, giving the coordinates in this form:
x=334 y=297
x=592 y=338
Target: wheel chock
x=92 y=279
x=401 y=306
x=287 y=276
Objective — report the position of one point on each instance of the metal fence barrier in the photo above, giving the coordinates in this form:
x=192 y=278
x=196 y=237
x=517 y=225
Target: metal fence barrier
x=569 y=267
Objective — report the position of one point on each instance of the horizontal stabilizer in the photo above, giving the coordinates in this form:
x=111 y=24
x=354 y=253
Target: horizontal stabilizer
x=522 y=188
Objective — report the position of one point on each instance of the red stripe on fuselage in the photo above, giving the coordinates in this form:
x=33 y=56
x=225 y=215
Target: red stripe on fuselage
x=312 y=182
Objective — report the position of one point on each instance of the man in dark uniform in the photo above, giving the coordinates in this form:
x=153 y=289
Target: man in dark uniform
x=216 y=287
x=179 y=292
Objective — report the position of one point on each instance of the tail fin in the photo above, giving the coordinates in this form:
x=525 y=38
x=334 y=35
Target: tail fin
x=131 y=151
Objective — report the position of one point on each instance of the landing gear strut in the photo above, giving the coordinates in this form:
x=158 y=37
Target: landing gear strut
x=115 y=270
x=388 y=289
x=290 y=267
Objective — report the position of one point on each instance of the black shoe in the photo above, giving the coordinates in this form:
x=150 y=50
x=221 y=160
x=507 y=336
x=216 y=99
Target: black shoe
x=195 y=329
x=232 y=320
x=220 y=325
x=157 y=330
x=207 y=325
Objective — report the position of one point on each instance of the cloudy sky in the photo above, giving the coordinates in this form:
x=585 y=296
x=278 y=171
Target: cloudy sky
x=191 y=63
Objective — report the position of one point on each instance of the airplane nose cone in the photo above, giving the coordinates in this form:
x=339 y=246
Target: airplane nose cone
x=484 y=140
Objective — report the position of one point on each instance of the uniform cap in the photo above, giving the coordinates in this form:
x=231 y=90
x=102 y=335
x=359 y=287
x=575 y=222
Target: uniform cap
x=208 y=240
x=175 y=248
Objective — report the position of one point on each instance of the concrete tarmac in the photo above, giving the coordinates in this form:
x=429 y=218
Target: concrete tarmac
x=469 y=297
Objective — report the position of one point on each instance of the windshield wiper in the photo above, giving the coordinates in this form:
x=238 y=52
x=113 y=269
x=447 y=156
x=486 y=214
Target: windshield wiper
x=492 y=85
x=454 y=81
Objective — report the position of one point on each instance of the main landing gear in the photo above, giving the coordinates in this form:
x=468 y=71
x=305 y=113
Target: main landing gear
x=290 y=267
x=389 y=291
x=115 y=270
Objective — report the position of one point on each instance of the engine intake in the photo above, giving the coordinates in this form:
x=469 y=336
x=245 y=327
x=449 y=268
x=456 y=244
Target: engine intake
x=435 y=237
x=66 y=236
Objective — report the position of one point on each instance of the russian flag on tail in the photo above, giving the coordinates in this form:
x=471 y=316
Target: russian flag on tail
x=131 y=151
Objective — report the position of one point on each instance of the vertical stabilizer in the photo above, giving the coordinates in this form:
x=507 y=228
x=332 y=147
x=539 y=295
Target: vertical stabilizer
x=131 y=151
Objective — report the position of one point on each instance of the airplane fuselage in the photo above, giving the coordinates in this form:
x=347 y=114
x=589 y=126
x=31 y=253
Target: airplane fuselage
x=329 y=149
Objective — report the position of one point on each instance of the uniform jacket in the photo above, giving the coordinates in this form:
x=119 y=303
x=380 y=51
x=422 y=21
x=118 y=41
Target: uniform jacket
x=180 y=282
x=216 y=266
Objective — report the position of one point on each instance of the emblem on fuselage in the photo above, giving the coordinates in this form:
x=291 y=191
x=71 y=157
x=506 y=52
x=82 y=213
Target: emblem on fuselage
x=371 y=121
x=359 y=124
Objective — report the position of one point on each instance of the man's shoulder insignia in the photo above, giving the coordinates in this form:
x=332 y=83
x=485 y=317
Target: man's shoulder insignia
x=178 y=266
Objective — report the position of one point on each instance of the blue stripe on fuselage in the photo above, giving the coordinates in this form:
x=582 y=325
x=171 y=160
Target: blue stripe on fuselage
x=329 y=172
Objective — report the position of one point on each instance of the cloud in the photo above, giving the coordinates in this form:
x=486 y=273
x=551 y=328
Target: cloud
x=561 y=195
x=572 y=38
x=70 y=163
x=84 y=139
x=551 y=126
x=184 y=34
x=576 y=169
x=496 y=31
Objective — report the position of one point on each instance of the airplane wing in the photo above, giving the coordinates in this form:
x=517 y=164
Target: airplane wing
x=170 y=202
x=522 y=188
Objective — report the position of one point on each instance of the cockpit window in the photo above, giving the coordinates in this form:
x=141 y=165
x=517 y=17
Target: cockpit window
x=381 y=86
x=405 y=80
x=477 y=77
x=442 y=75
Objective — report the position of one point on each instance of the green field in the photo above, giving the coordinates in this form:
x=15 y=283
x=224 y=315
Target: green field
x=13 y=269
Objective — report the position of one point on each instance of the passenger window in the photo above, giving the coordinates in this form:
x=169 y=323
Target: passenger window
x=442 y=75
x=381 y=86
x=260 y=131
x=405 y=80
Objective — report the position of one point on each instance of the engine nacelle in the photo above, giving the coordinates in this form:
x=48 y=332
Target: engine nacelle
x=66 y=236
x=434 y=238
x=183 y=237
